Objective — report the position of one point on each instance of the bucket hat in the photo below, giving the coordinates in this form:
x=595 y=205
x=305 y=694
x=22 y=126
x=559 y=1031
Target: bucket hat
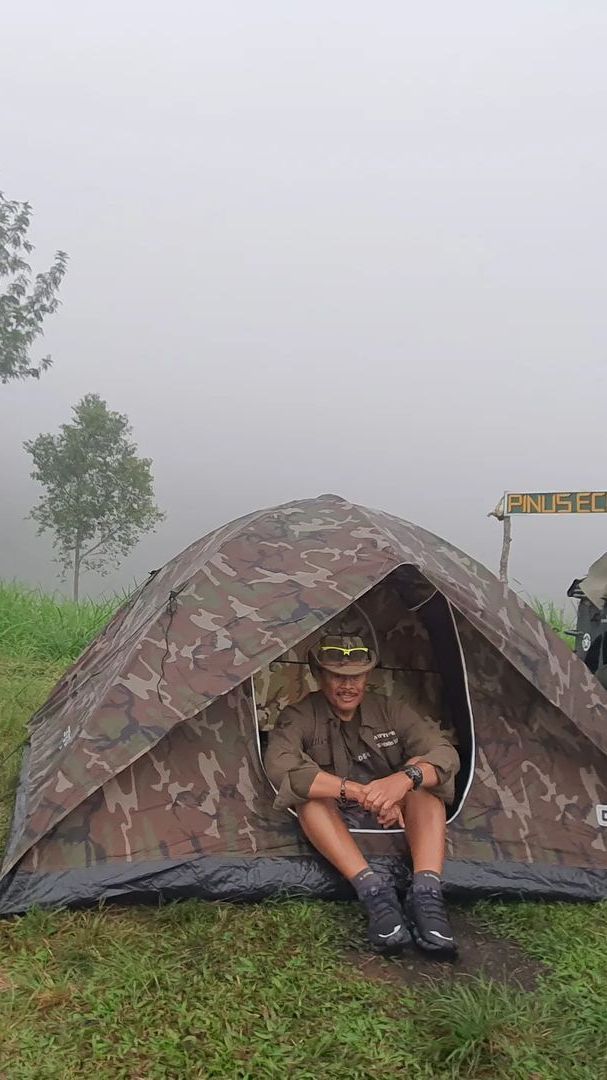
x=342 y=654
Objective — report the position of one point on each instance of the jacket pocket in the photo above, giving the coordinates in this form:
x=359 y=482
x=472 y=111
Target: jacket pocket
x=395 y=756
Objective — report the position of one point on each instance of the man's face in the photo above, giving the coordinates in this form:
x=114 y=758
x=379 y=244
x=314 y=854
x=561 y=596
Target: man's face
x=343 y=692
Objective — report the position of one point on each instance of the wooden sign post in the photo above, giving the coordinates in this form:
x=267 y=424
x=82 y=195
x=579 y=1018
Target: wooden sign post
x=500 y=514
x=542 y=502
x=506 y=542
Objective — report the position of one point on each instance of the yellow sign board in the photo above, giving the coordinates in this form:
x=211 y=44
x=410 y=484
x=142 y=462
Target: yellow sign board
x=555 y=502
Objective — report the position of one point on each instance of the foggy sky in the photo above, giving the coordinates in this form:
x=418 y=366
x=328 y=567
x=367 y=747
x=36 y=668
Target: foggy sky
x=319 y=247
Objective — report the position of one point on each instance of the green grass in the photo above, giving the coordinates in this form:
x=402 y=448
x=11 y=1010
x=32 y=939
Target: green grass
x=261 y=992
x=214 y=990
x=24 y=685
x=558 y=619
x=37 y=626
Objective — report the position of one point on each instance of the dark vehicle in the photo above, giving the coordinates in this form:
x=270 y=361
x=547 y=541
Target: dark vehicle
x=591 y=628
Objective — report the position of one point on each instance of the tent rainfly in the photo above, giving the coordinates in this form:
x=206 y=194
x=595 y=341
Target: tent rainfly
x=143 y=775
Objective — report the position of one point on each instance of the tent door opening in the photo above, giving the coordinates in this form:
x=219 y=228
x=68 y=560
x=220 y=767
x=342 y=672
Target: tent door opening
x=421 y=660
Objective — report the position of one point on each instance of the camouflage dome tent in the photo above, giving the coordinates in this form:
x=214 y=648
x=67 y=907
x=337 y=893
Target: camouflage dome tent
x=143 y=775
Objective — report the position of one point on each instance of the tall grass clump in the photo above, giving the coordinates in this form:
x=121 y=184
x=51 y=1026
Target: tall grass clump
x=40 y=626
x=558 y=618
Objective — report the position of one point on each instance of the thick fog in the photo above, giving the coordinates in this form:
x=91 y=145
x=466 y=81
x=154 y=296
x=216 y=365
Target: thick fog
x=324 y=247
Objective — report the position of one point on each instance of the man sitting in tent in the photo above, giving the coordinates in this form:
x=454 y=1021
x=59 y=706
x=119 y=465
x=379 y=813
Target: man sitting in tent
x=339 y=757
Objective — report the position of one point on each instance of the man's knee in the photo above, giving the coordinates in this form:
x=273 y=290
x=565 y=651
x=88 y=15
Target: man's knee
x=426 y=802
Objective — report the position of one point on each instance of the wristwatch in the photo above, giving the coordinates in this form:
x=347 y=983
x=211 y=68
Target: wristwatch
x=415 y=775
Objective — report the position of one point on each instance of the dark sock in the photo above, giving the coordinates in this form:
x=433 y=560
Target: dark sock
x=367 y=882
x=426 y=879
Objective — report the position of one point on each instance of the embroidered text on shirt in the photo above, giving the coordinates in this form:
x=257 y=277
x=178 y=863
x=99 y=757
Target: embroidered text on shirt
x=385 y=739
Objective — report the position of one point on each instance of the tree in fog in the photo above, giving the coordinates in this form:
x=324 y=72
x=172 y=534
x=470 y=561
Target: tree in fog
x=98 y=494
x=24 y=302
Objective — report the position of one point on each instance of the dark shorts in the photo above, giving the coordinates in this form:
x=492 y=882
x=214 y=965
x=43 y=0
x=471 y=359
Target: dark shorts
x=356 y=817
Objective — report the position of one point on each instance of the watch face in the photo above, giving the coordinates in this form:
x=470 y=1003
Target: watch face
x=415 y=775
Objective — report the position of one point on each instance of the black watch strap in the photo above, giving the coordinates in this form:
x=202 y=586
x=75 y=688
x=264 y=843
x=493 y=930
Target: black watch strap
x=415 y=775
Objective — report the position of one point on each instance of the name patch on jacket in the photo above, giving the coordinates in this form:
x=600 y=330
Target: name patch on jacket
x=385 y=738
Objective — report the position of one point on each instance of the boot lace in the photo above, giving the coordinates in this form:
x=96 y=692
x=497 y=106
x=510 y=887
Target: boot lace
x=431 y=904
x=383 y=904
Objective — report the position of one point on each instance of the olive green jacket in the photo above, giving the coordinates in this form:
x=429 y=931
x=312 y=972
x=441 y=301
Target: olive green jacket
x=307 y=739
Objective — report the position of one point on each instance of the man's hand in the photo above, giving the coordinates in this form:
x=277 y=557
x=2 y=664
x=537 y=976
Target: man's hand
x=391 y=819
x=387 y=817
x=385 y=795
x=355 y=792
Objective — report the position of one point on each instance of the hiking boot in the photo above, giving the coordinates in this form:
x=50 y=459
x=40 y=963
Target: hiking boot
x=428 y=921
x=387 y=930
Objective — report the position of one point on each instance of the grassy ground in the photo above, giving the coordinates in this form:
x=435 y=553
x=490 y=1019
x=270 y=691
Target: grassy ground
x=203 y=990
x=258 y=992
